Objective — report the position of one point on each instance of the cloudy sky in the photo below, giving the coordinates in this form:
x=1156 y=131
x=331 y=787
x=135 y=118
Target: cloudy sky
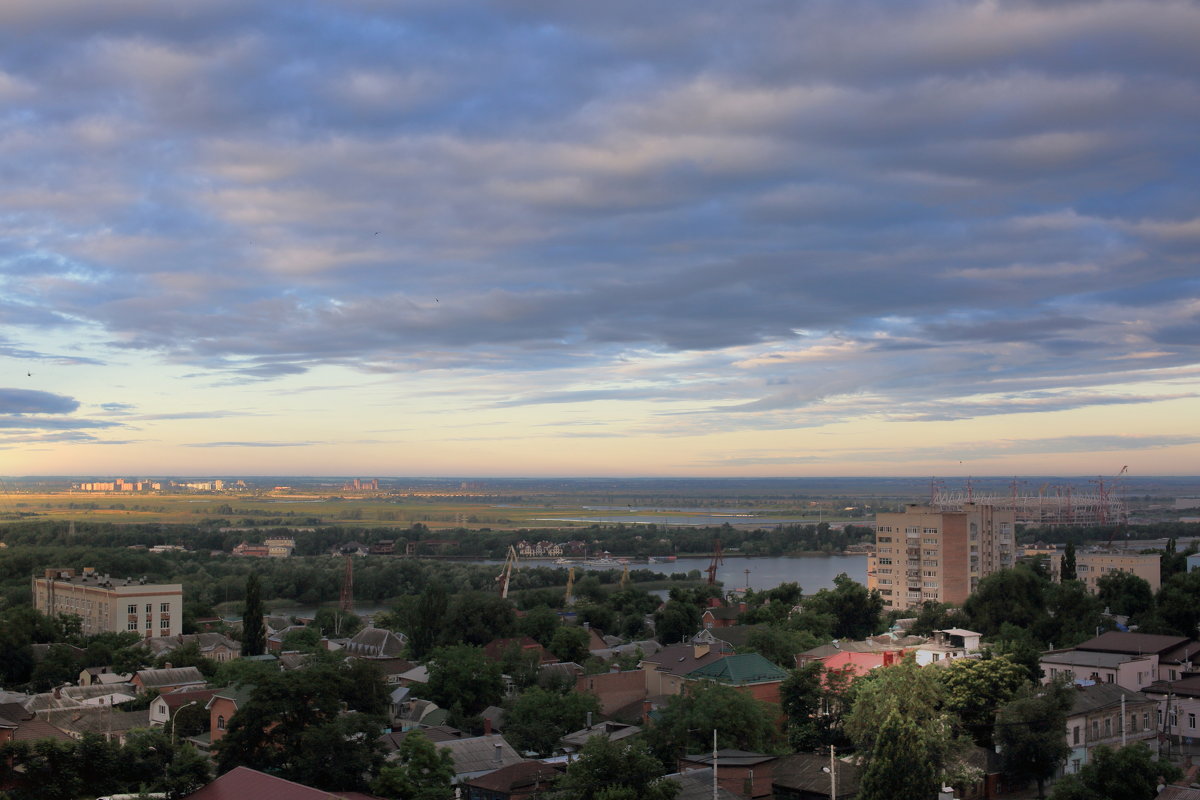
x=536 y=237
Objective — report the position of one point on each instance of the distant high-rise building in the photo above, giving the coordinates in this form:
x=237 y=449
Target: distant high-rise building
x=927 y=554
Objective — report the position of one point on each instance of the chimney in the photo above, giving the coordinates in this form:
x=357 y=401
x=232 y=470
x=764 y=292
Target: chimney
x=499 y=753
x=167 y=665
x=646 y=708
x=57 y=692
x=487 y=726
x=741 y=608
x=589 y=720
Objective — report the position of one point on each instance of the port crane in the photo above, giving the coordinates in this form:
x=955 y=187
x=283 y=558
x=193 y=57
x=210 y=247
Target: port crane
x=505 y=576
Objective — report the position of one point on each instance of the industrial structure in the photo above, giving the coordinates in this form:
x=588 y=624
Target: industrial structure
x=1052 y=506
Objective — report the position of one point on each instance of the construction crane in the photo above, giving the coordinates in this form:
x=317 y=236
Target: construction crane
x=569 y=597
x=1124 y=518
x=505 y=575
x=625 y=577
x=717 y=560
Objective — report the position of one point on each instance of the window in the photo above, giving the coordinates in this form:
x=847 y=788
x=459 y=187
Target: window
x=149 y=606
x=132 y=609
x=1192 y=721
x=1174 y=717
x=1133 y=723
x=1075 y=734
x=220 y=723
x=132 y=626
x=148 y=626
x=164 y=608
x=1095 y=729
x=1146 y=720
x=1108 y=726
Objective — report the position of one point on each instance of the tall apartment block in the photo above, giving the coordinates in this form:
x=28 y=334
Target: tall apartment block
x=111 y=604
x=927 y=553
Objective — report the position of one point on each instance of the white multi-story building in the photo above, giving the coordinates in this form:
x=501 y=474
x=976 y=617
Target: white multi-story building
x=107 y=604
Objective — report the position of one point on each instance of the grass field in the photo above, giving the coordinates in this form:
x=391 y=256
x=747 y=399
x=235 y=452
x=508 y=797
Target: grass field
x=311 y=510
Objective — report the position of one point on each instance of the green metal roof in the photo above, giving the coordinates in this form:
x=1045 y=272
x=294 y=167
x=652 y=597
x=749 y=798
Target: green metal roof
x=740 y=670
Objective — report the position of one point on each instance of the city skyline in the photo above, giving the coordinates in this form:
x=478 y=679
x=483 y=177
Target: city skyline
x=538 y=239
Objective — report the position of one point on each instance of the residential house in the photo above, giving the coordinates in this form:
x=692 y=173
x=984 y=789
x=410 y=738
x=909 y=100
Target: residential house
x=112 y=724
x=696 y=784
x=1174 y=653
x=65 y=697
x=479 y=755
x=666 y=671
x=19 y=725
x=743 y=773
x=1110 y=715
x=215 y=646
x=91 y=676
x=165 y=680
x=373 y=642
x=616 y=691
x=1132 y=672
x=947 y=645
x=221 y=707
x=1178 y=707
x=496 y=649
x=525 y=779
x=574 y=741
x=750 y=672
x=163 y=707
x=805 y=776
x=721 y=616
x=242 y=782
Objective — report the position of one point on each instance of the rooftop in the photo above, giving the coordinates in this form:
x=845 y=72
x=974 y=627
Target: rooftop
x=740 y=670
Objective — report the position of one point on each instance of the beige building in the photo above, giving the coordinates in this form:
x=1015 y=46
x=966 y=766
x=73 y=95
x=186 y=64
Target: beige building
x=116 y=605
x=1090 y=567
x=928 y=554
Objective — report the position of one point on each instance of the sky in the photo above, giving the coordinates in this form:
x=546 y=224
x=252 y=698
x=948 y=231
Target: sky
x=535 y=237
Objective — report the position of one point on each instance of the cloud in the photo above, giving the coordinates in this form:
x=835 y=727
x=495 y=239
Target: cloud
x=251 y=444
x=844 y=209
x=30 y=401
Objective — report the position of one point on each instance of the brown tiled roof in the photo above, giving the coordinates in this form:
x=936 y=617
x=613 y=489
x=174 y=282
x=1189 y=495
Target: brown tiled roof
x=526 y=775
x=680 y=659
x=241 y=783
x=1134 y=643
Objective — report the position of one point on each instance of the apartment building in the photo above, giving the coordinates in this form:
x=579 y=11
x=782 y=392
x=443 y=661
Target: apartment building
x=929 y=554
x=107 y=604
x=1090 y=567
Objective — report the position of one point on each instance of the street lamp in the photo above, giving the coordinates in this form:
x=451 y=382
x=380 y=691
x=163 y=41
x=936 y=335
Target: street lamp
x=174 y=737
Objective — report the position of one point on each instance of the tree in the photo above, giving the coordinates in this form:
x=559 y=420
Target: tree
x=676 y=621
x=806 y=702
x=188 y=771
x=1010 y=595
x=420 y=771
x=539 y=624
x=295 y=720
x=905 y=763
x=1067 y=567
x=780 y=645
x=538 y=718
x=687 y=722
x=607 y=770
x=1125 y=593
x=1073 y=615
x=477 y=618
x=254 y=629
x=463 y=680
x=1127 y=773
x=334 y=622
x=1178 y=610
x=856 y=610
x=916 y=693
x=1029 y=732
x=570 y=644
x=426 y=624
x=975 y=688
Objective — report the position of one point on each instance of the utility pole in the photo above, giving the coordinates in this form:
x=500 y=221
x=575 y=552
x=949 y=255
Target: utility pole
x=1123 y=735
x=714 y=797
x=832 y=775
